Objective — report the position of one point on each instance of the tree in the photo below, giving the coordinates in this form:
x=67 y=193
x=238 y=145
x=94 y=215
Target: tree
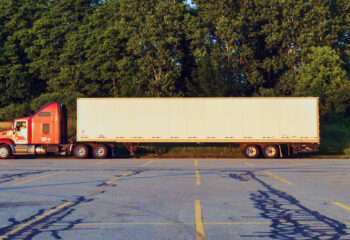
x=94 y=59
x=58 y=20
x=17 y=82
x=156 y=32
x=322 y=75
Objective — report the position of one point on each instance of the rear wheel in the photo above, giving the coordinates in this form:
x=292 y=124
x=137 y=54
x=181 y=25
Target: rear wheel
x=271 y=151
x=5 y=152
x=81 y=151
x=251 y=151
x=100 y=151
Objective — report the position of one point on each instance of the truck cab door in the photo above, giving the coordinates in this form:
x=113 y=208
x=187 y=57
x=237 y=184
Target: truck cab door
x=21 y=132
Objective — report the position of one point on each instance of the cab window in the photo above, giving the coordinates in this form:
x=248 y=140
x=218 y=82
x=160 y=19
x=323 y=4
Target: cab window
x=20 y=126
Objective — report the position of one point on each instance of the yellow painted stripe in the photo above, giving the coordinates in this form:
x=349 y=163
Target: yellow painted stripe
x=98 y=163
x=37 y=178
x=341 y=205
x=200 y=234
x=196 y=163
x=277 y=177
x=116 y=178
x=198 y=178
x=147 y=163
x=248 y=164
x=4 y=163
x=38 y=218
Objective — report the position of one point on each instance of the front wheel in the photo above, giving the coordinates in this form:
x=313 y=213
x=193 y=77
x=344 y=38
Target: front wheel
x=251 y=151
x=5 y=152
x=81 y=151
x=100 y=151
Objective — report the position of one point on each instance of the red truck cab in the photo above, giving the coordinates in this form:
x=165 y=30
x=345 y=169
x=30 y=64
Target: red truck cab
x=43 y=132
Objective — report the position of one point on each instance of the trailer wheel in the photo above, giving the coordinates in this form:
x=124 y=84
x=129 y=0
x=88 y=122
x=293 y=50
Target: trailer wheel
x=271 y=151
x=100 y=151
x=251 y=151
x=81 y=151
x=5 y=152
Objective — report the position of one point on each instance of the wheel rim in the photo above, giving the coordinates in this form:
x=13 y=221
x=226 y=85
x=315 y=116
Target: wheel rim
x=3 y=152
x=80 y=152
x=251 y=151
x=100 y=151
x=270 y=151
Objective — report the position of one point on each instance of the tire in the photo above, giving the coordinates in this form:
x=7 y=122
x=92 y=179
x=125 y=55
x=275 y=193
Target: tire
x=271 y=151
x=81 y=151
x=251 y=151
x=100 y=151
x=5 y=152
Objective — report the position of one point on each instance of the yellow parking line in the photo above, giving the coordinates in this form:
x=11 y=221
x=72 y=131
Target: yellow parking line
x=127 y=173
x=200 y=234
x=4 y=163
x=116 y=178
x=198 y=178
x=248 y=164
x=38 y=218
x=341 y=205
x=277 y=177
x=37 y=178
x=100 y=162
x=196 y=163
x=147 y=163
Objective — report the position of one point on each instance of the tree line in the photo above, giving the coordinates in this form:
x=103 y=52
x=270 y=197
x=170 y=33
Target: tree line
x=58 y=50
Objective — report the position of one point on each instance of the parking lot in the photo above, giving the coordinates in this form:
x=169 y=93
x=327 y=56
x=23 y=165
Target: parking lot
x=174 y=199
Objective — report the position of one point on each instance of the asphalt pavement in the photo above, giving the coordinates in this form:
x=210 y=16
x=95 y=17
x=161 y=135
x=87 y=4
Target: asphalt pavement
x=174 y=199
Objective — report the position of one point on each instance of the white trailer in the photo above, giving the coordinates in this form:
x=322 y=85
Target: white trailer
x=259 y=125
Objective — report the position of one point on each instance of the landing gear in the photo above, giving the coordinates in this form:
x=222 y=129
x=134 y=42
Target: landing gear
x=132 y=147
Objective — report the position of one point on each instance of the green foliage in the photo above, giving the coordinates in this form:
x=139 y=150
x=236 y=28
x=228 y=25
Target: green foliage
x=67 y=98
x=56 y=50
x=335 y=134
x=13 y=111
x=322 y=75
x=155 y=31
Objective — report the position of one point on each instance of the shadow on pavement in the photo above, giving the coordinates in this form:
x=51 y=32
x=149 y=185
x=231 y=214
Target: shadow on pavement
x=289 y=218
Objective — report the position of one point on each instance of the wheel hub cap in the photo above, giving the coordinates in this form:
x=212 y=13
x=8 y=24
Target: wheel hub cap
x=251 y=151
x=100 y=151
x=81 y=151
x=270 y=151
x=3 y=152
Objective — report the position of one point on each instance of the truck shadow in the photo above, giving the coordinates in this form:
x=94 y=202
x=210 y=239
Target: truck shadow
x=43 y=225
x=289 y=218
x=10 y=177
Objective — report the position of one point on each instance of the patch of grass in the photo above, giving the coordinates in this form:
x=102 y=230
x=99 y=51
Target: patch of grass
x=189 y=150
x=335 y=141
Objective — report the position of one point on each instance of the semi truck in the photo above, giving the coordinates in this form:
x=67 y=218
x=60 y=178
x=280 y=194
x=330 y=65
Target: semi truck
x=263 y=127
